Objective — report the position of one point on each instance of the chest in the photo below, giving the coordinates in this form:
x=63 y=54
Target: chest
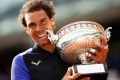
x=42 y=67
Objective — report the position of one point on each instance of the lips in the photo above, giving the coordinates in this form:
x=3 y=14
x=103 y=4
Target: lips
x=41 y=35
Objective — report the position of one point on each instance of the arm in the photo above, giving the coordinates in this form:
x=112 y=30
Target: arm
x=18 y=69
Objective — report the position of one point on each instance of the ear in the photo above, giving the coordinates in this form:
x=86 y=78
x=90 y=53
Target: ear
x=53 y=21
x=27 y=31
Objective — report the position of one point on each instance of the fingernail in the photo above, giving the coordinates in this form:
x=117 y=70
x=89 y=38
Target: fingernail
x=97 y=43
x=89 y=55
x=92 y=50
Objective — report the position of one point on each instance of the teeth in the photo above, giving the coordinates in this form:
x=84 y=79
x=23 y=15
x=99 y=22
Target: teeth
x=42 y=35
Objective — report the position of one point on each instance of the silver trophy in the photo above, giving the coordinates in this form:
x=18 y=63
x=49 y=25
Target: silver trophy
x=73 y=42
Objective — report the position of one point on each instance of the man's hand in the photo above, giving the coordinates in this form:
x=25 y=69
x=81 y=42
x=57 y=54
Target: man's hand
x=99 y=54
x=69 y=76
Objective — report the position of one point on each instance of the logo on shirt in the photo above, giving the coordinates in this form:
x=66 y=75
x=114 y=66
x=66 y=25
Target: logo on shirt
x=36 y=63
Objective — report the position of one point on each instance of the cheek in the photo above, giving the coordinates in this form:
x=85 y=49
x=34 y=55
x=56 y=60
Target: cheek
x=31 y=32
x=50 y=27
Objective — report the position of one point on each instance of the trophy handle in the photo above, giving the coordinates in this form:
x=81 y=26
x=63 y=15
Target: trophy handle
x=52 y=37
x=107 y=33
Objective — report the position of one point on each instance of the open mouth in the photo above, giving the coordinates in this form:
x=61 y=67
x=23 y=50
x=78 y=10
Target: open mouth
x=41 y=35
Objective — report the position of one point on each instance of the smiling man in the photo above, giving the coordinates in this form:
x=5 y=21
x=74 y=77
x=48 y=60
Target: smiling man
x=42 y=61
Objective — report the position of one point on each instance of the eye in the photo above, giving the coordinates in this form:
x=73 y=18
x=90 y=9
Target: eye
x=32 y=25
x=43 y=21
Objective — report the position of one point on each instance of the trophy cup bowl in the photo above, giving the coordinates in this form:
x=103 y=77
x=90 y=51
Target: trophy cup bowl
x=74 y=40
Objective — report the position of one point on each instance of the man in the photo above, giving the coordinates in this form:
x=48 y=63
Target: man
x=42 y=62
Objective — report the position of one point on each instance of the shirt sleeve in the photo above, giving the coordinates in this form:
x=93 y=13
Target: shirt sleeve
x=19 y=70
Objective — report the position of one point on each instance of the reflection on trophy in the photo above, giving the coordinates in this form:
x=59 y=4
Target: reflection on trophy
x=74 y=42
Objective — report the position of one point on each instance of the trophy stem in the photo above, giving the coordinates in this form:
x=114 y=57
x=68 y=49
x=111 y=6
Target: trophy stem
x=83 y=58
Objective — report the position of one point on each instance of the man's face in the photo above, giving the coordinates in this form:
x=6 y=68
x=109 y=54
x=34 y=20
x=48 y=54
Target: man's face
x=37 y=24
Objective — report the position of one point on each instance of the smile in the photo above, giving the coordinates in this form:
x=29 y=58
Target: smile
x=41 y=36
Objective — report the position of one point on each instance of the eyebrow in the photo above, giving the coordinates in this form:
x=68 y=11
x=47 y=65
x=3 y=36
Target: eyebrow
x=43 y=19
x=31 y=24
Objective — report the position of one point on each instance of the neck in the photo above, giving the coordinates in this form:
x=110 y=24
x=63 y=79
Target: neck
x=48 y=47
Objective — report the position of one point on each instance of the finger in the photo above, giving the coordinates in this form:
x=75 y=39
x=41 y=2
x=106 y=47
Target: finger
x=102 y=46
x=99 y=58
x=86 y=78
x=69 y=71
x=99 y=53
x=102 y=51
x=93 y=51
x=96 y=55
x=103 y=41
x=75 y=76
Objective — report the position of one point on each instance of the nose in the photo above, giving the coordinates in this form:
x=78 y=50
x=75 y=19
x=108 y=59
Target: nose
x=38 y=28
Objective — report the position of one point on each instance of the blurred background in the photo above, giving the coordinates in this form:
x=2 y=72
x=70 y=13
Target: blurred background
x=14 y=40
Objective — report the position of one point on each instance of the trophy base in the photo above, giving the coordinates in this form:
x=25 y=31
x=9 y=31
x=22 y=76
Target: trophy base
x=94 y=71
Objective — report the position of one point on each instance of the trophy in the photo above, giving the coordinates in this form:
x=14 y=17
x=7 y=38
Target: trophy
x=73 y=42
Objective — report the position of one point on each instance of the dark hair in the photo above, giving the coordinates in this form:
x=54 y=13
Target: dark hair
x=35 y=5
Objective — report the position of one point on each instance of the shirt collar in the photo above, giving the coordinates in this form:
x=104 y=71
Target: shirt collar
x=38 y=49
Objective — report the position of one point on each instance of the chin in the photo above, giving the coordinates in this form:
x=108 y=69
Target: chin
x=43 y=43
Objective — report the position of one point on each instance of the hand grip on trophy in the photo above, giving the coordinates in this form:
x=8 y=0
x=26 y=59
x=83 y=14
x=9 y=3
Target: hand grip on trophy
x=100 y=53
x=76 y=39
x=84 y=45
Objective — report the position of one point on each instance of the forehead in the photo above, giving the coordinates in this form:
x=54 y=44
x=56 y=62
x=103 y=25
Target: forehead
x=40 y=14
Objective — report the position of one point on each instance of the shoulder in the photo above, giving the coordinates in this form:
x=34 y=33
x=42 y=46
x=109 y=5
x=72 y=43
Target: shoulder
x=19 y=68
x=18 y=59
x=28 y=51
x=20 y=55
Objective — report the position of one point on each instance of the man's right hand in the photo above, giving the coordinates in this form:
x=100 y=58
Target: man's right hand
x=70 y=76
